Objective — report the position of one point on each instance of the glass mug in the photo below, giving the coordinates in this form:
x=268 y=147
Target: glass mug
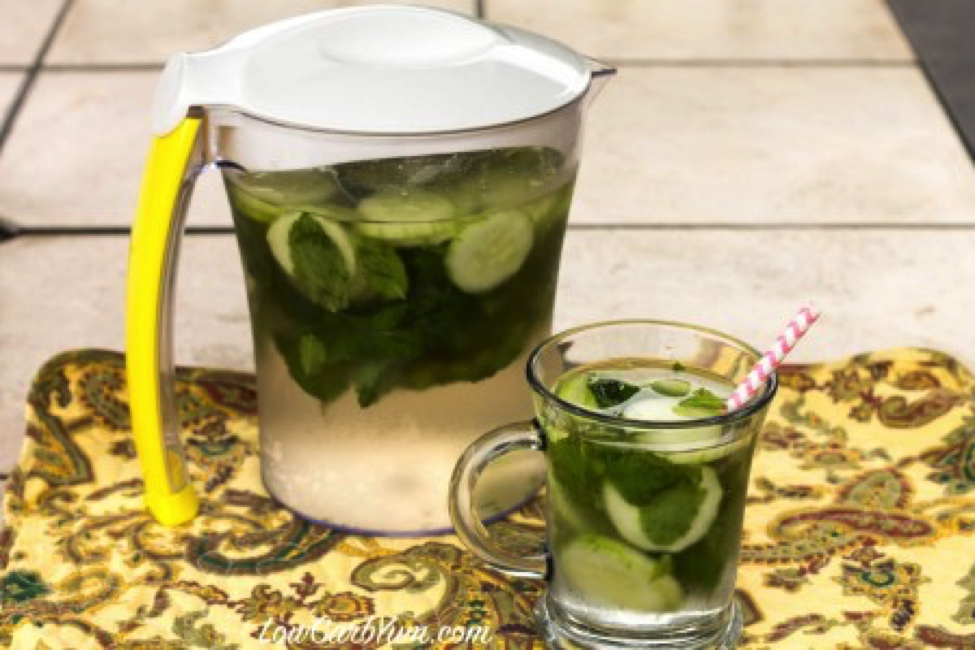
x=654 y=564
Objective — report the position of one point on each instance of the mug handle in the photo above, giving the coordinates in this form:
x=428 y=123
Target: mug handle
x=517 y=436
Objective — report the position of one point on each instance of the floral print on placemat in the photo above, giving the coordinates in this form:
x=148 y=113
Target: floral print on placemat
x=860 y=527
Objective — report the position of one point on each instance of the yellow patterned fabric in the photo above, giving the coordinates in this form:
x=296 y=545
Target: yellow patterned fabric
x=859 y=526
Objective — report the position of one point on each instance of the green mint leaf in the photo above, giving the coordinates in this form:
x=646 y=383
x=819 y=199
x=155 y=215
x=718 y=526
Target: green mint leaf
x=678 y=367
x=311 y=354
x=380 y=269
x=312 y=368
x=576 y=469
x=701 y=404
x=670 y=515
x=639 y=477
x=372 y=379
x=319 y=268
x=611 y=392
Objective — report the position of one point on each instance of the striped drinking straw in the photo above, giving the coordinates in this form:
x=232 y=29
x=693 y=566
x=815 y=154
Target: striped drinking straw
x=771 y=360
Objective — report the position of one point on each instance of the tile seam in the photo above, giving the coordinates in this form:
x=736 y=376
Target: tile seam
x=41 y=232
x=20 y=99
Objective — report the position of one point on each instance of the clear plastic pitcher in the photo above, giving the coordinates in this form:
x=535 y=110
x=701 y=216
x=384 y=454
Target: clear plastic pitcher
x=400 y=180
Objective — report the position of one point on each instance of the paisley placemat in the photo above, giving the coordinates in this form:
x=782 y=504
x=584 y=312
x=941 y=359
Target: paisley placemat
x=859 y=532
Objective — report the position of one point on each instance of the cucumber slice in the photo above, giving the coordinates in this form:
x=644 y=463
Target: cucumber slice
x=488 y=252
x=659 y=409
x=710 y=454
x=610 y=573
x=278 y=240
x=330 y=212
x=671 y=387
x=575 y=390
x=250 y=206
x=409 y=234
x=264 y=196
x=548 y=210
x=414 y=217
x=666 y=525
x=415 y=205
x=289 y=188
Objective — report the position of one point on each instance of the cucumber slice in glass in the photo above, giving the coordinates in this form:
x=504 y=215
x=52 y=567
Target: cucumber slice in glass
x=278 y=240
x=488 y=252
x=671 y=522
x=671 y=387
x=661 y=409
x=575 y=390
x=610 y=573
x=707 y=455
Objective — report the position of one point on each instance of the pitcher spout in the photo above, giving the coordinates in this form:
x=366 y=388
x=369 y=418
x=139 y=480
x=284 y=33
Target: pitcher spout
x=600 y=73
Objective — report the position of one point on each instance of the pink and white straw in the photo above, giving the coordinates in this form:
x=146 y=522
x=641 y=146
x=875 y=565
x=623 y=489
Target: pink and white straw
x=771 y=360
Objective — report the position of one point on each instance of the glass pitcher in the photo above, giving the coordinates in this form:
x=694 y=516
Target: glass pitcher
x=400 y=179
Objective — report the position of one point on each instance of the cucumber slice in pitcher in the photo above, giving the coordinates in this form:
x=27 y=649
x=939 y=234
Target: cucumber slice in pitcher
x=416 y=205
x=409 y=234
x=676 y=517
x=488 y=252
x=329 y=211
x=289 y=188
x=414 y=217
x=610 y=573
x=250 y=206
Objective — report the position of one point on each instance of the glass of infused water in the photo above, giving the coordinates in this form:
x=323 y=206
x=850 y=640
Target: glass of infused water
x=647 y=479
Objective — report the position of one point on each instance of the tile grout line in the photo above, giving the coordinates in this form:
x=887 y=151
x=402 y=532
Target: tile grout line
x=109 y=231
x=761 y=63
x=772 y=226
x=103 y=67
x=480 y=10
x=32 y=72
x=620 y=62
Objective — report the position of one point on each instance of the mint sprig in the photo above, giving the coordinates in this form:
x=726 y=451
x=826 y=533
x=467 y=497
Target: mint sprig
x=320 y=271
x=611 y=392
x=702 y=403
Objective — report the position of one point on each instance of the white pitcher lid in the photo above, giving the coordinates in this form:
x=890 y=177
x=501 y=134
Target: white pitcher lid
x=377 y=69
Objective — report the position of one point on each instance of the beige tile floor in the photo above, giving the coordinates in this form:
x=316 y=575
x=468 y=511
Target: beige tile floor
x=125 y=32
x=9 y=84
x=758 y=30
x=24 y=27
x=751 y=153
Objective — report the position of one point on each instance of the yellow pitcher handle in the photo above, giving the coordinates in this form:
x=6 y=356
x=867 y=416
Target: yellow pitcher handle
x=166 y=185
